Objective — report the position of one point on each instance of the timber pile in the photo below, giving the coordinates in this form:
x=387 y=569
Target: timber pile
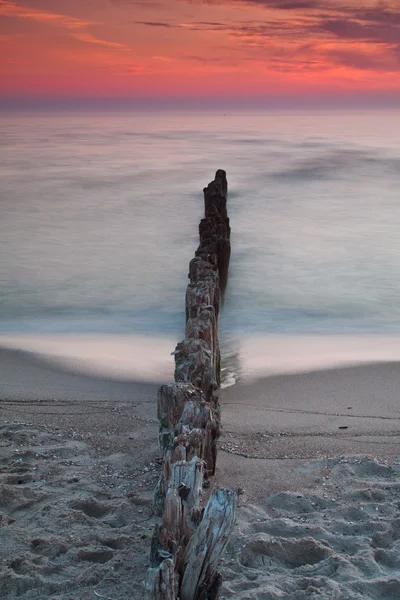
x=188 y=543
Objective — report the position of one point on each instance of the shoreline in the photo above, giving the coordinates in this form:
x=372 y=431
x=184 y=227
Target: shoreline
x=149 y=358
x=113 y=357
x=304 y=416
x=80 y=459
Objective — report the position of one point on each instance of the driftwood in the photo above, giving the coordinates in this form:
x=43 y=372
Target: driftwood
x=160 y=582
x=187 y=545
x=200 y=578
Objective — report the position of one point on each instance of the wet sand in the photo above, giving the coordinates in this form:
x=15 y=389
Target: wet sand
x=314 y=456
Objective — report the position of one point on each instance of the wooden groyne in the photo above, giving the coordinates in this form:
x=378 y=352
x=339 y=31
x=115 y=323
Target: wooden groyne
x=188 y=543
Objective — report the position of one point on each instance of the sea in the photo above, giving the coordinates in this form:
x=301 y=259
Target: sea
x=99 y=216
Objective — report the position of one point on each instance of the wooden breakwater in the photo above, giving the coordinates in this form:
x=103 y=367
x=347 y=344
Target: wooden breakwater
x=188 y=543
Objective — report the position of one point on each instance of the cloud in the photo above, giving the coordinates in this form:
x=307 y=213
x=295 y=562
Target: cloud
x=77 y=26
x=12 y=9
x=382 y=11
x=287 y=4
x=90 y=39
x=135 y=70
x=155 y=24
x=368 y=31
x=357 y=59
x=292 y=36
x=141 y=3
x=321 y=19
x=213 y=60
x=200 y=59
x=363 y=37
x=165 y=59
x=284 y=5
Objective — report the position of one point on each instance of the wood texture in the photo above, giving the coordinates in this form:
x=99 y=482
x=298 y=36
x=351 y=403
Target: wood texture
x=160 y=582
x=188 y=543
x=207 y=545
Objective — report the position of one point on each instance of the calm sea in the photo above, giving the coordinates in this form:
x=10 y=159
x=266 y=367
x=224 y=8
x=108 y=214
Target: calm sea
x=99 y=217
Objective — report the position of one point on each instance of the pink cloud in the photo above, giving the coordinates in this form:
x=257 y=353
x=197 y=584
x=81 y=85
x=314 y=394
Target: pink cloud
x=12 y=9
x=90 y=39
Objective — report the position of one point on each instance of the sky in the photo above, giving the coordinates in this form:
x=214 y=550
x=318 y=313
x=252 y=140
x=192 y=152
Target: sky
x=144 y=49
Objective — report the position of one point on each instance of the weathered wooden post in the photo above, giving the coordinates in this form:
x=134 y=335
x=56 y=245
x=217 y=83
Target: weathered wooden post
x=187 y=545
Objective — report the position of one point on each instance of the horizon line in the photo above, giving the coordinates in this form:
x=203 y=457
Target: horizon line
x=353 y=100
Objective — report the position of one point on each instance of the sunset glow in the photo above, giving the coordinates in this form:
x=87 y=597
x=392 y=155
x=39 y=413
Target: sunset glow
x=198 y=48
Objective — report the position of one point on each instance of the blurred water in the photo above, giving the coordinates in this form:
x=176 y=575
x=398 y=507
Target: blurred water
x=99 y=216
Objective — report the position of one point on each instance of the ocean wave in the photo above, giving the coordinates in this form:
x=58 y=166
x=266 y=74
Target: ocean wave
x=339 y=163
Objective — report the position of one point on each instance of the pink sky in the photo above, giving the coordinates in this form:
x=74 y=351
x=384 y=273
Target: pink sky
x=179 y=48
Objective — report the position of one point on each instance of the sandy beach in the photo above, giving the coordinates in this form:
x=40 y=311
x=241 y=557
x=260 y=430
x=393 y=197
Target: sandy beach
x=315 y=458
